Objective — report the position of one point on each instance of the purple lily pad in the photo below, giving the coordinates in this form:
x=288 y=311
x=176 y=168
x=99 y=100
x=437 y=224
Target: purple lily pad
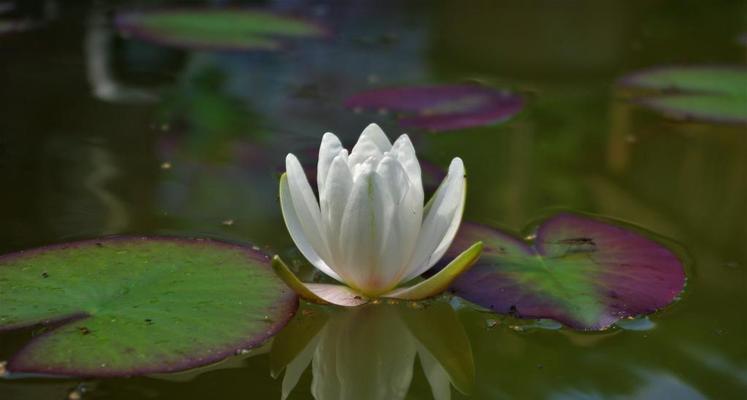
x=133 y=305
x=582 y=272
x=442 y=107
x=221 y=29
x=705 y=93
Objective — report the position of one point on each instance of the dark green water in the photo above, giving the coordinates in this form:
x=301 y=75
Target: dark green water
x=84 y=153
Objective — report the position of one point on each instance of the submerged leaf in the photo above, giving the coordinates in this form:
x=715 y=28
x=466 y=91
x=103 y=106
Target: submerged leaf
x=133 y=305
x=708 y=93
x=215 y=28
x=583 y=272
x=442 y=107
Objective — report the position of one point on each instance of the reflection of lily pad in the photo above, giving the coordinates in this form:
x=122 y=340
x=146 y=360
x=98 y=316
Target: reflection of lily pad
x=214 y=28
x=708 y=93
x=442 y=107
x=6 y=7
x=580 y=271
x=11 y=26
x=125 y=306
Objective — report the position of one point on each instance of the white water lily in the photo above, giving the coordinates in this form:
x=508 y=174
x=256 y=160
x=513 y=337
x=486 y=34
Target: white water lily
x=370 y=230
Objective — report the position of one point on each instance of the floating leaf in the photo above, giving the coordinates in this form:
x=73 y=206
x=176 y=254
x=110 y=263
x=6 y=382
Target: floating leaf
x=580 y=271
x=132 y=305
x=708 y=93
x=215 y=28
x=442 y=107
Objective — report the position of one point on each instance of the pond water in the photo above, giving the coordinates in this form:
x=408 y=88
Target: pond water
x=102 y=134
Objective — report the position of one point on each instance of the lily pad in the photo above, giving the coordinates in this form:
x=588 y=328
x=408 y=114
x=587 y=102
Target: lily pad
x=135 y=305
x=583 y=272
x=707 y=93
x=215 y=28
x=441 y=107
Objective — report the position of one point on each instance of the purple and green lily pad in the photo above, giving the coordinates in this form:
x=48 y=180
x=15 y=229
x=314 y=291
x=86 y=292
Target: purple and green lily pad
x=221 y=29
x=441 y=107
x=705 y=93
x=582 y=272
x=135 y=305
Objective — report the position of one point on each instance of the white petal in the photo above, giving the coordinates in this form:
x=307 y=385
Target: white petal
x=436 y=375
x=301 y=215
x=295 y=368
x=405 y=215
x=334 y=197
x=441 y=222
x=372 y=142
x=363 y=224
x=404 y=152
x=328 y=150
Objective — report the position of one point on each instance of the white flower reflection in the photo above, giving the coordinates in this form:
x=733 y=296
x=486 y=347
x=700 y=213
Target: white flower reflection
x=368 y=352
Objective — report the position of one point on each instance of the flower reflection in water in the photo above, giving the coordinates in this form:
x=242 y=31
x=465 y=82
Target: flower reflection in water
x=369 y=352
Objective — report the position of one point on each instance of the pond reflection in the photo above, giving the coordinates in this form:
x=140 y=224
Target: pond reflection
x=369 y=352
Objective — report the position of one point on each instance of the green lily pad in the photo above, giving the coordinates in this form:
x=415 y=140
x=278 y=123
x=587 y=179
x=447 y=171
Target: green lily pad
x=215 y=28
x=135 y=305
x=707 y=93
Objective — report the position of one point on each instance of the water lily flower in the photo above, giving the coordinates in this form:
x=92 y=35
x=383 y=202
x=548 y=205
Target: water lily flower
x=370 y=230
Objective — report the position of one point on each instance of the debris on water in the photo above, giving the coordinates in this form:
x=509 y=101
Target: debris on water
x=416 y=305
x=229 y=222
x=241 y=352
x=491 y=323
x=635 y=324
x=306 y=312
x=78 y=392
x=545 y=323
x=3 y=368
x=517 y=328
x=165 y=165
x=392 y=301
x=731 y=264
